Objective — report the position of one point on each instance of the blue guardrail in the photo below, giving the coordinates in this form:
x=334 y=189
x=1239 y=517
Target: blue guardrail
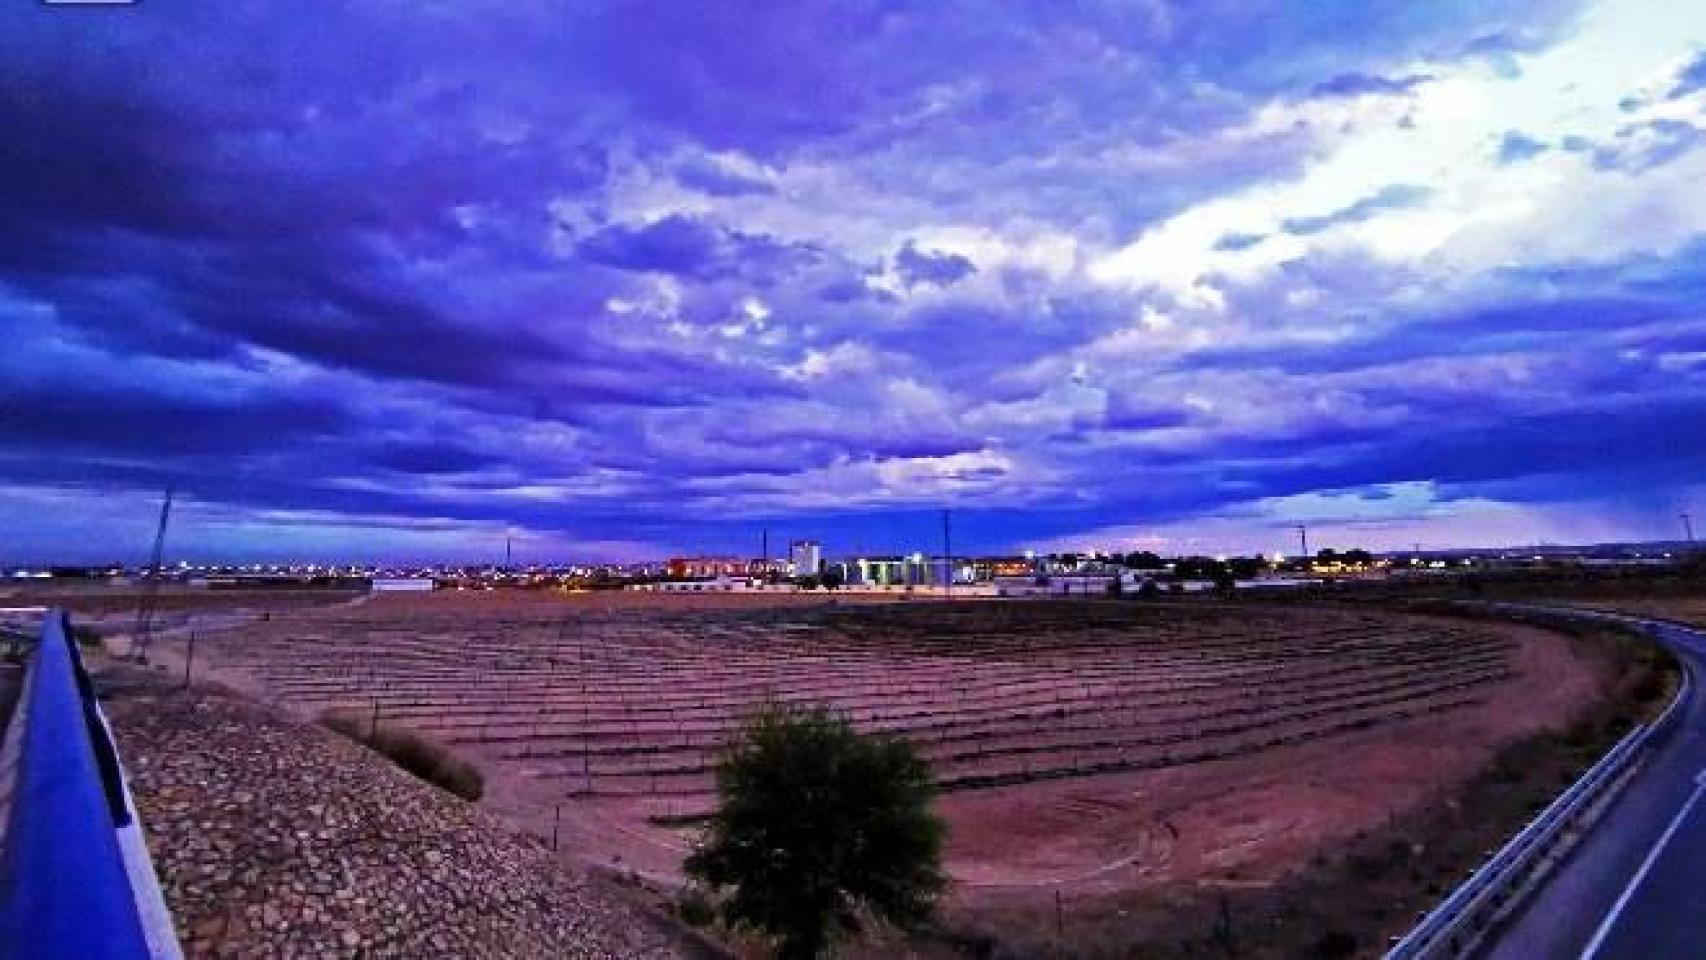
x=65 y=891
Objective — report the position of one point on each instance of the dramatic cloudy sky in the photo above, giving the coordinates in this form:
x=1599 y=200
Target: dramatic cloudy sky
x=400 y=277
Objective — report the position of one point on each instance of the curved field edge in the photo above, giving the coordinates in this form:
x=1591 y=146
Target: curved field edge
x=1351 y=901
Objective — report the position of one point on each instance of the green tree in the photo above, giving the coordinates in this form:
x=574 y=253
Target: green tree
x=819 y=824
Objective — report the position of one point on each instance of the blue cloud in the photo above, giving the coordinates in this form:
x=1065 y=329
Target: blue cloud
x=693 y=247
x=1362 y=84
x=1395 y=197
x=937 y=269
x=1239 y=241
x=1643 y=146
x=1691 y=78
x=719 y=180
x=1515 y=147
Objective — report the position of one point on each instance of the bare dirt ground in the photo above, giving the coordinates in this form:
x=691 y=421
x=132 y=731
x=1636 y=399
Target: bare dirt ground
x=1248 y=818
x=1102 y=841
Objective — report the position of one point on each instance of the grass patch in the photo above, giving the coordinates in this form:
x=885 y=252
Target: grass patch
x=426 y=759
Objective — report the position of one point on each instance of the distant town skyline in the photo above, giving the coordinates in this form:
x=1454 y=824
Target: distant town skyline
x=624 y=281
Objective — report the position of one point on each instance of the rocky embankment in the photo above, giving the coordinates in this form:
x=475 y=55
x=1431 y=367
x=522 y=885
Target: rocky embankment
x=277 y=839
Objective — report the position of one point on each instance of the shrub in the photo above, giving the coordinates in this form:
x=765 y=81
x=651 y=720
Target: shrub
x=426 y=759
x=695 y=909
x=817 y=826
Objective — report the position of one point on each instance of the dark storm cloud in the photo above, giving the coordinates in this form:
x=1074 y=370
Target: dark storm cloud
x=1125 y=412
x=691 y=247
x=1661 y=436
x=624 y=268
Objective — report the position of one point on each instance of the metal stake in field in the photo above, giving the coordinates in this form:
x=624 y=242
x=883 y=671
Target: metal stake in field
x=189 y=659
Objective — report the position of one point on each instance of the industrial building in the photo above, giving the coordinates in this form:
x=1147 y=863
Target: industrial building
x=806 y=557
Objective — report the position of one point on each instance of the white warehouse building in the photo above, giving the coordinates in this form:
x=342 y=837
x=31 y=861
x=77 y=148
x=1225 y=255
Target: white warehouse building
x=806 y=556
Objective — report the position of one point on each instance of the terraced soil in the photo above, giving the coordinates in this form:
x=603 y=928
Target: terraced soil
x=1092 y=745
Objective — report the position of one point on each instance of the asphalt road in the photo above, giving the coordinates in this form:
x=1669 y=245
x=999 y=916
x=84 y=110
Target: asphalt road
x=1635 y=887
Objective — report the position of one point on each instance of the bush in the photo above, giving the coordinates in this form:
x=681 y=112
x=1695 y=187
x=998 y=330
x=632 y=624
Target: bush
x=819 y=825
x=426 y=759
x=695 y=909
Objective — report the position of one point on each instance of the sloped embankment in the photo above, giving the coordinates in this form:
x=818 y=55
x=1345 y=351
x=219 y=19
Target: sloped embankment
x=274 y=838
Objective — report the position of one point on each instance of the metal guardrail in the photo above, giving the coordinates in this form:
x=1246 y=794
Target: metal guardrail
x=75 y=878
x=1455 y=927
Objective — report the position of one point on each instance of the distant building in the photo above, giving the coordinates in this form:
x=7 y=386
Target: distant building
x=402 y=585
x=704 y=568
x=807 y=557
x=872 y=571
x=988 y=568
x=763 y=567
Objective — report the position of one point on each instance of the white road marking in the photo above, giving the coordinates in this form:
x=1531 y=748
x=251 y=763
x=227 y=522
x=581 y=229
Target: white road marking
x=1646 y=866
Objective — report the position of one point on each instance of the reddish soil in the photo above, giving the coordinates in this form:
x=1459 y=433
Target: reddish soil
x=1169 y=746
x=1245 y=820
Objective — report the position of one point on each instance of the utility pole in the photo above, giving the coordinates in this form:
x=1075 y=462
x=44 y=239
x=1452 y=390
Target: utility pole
x=143 y=633
x=509 y=552
x=1688 y=525
x=947 y=558
x=1303 y=541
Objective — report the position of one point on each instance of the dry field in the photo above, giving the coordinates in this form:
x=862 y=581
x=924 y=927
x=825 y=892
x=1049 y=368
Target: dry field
x=1089 y=748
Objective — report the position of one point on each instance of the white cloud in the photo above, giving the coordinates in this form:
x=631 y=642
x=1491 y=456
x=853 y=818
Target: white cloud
x=1480 y=215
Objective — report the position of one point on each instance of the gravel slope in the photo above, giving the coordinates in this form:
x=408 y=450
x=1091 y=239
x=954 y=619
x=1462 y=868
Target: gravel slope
x=278 y=839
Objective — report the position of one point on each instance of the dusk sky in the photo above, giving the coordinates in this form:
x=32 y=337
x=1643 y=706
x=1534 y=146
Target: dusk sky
x=390 y=280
